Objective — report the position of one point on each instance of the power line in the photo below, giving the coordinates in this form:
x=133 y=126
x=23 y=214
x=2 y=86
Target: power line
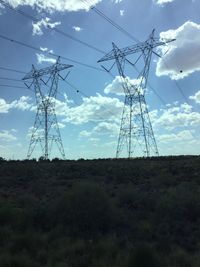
x=77 y=90
x=85 y=95
x=20 y=87
x=177 y=84
x=73 y=86
x=10 y=79
x=8 y=69
x=12 y=86
x=97 y=11
x=38 y=49
x=53 y=29
x=159 y=97
x=163 y=101
x=113 y=23
x=100 y=13
x=76 y=39
x=150 y=86
x=48 y=53
x=70 y=84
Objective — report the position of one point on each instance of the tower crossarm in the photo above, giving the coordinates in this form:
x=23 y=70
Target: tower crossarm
x=45 y=71
x=140 y=47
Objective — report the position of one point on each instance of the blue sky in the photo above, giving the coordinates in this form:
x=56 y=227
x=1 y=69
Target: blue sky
x=90 y=125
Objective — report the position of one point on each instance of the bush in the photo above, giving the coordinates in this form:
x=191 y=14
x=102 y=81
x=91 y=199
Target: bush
x=180 y=258
x=143 y=256
x=86 y=211
x=29 y=242
x=20 y=260
x=7 y=214
x=177 y=216
x=2 y=159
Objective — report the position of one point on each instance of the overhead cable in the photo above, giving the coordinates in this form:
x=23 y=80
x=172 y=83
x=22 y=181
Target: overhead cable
x=48 y=53
x=113 y=23
x=51 y=28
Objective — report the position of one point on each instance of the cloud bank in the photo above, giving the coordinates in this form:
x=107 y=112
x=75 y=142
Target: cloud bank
x=175 y=117
x=55 y=5
x=162 y=2
x=117 y=85
x=21 y=104
x=7 y=136
x=196 y=97
x=44 y=23
x=94 y=108
x=181 y=57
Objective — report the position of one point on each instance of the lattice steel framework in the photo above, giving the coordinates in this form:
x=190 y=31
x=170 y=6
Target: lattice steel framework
x=46 y=129
x=136 y=130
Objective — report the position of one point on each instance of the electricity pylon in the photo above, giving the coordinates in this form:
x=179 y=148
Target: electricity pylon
x=136 y=129
x=46 y=130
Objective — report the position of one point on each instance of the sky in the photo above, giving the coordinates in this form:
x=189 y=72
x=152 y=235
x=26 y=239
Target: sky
x=89 y=107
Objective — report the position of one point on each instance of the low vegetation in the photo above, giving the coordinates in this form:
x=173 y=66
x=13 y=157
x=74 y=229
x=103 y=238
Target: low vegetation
x=100 y=213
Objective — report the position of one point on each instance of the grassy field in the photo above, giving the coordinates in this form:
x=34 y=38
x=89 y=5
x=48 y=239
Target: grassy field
x=100 y=213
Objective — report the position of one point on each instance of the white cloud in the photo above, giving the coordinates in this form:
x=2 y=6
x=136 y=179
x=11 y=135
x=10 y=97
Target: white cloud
x=42 y=58
x=95 y=108
x=117 y=85
x=175 y=117
x=61 y=125
x=14 y=130
x=22 y=104
x=179 y=143
x=176 y=129
x=106 y=128
x=1 y=8
x=45 y=49
x=37 y=132
x=196 y=97
x=162 y=2
x=181 y=137
x=117 y=1
x=7 y=136
x=55 y=5
x=85 y=133
x=4 y=106
x=121 y=12
x=181 y=57
x=43 y=23
x=77 y=28
x=94 y=139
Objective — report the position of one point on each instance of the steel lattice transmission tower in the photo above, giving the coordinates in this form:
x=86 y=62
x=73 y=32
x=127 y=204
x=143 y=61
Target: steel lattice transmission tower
x=136 y=131
x=46 y=130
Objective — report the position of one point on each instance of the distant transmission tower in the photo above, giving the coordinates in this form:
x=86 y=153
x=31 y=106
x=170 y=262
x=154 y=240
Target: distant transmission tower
x=46 y=130
x=136 y=131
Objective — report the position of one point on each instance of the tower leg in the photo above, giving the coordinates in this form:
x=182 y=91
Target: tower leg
x=136 y=133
